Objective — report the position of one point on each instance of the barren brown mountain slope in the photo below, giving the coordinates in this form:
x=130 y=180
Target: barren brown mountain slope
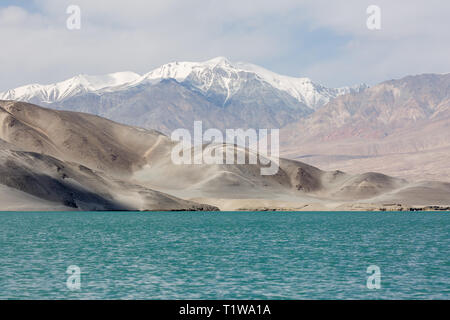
x=39 y=182
x=399 y=127
x=53 y=172
x=81 y=161
x=86 y=139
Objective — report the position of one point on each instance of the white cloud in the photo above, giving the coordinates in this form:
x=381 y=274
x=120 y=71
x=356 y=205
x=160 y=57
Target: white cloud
x=139 y=35
x=414 y=39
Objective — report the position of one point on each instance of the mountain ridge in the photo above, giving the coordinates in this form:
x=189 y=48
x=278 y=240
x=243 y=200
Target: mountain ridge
x=303 y=89
x=367 y=129
x=84 y=162
x=403 y=122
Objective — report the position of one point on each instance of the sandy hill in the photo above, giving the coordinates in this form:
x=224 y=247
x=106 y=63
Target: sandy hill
x=61 y=148
x=82 y=161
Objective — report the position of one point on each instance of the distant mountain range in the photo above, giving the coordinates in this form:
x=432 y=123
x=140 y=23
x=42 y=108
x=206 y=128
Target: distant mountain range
x=221 y=93
x=399 y=127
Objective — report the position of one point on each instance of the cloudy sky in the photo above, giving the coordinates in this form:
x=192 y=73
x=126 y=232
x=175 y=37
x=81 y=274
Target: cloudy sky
x=326 y=40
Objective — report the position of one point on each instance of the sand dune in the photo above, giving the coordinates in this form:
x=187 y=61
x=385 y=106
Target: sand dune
x=82 y=138
x=75 y=187
x=84 y=162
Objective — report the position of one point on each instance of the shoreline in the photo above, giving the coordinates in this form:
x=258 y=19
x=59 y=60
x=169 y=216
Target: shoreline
x=259 y=209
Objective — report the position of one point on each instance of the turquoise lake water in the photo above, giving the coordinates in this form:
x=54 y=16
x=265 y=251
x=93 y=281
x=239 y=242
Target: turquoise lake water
x=225 y=255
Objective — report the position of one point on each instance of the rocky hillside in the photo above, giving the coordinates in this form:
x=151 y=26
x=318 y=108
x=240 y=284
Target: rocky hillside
x=401 y=127
x=84 y=162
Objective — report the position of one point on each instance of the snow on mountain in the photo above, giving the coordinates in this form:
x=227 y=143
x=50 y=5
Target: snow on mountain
x=218 y=77
x=305 y=90
x=68 y=88
x=231 y=76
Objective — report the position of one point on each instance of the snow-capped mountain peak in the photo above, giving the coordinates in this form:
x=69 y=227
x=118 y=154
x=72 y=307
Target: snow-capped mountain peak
x=217 y=76
x=181 y=70
x=68 y=88
x=303 y=89
x=230 y=77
